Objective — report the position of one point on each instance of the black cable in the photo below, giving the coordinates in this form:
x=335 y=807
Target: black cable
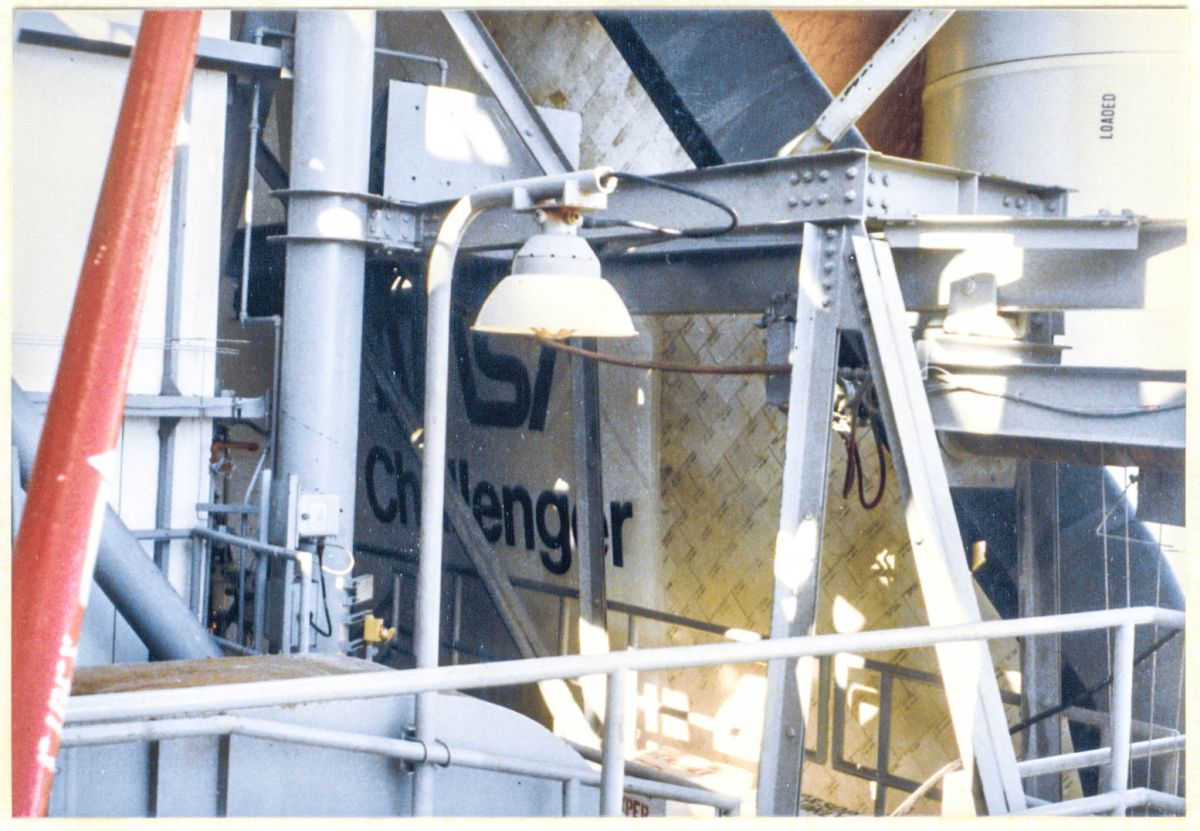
x=1083 y=696
x=685 y=233
x=324 y=597
x=854 y=466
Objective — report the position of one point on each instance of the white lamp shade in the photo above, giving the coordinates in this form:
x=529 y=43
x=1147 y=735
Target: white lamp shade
x=556 y=306
x=555 y=290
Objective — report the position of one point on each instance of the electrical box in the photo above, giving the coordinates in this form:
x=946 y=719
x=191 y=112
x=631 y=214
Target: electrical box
x=318 y=515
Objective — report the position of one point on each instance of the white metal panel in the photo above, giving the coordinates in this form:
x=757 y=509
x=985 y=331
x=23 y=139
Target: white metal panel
x=443 y=143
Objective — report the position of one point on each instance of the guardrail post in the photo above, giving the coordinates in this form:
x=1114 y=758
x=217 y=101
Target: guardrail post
x=1122 y=712
x=612 y=774
x=306 y=589
x=260 y=563
x=570 y=788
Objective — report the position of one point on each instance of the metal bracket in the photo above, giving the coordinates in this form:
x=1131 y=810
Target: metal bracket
x=974 y=310
x=780 y=322
x=391 y=225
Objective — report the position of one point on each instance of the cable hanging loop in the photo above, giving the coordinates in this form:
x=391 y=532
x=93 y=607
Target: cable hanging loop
x=684 y=233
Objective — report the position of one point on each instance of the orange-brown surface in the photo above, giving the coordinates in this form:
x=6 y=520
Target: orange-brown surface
x=837 y=44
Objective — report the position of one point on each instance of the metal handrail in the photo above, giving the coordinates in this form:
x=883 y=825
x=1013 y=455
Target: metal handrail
x=408 y=750
x=154 y=703
x=618 y=665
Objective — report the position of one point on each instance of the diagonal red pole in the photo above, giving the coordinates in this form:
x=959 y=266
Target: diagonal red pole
x=56 y=547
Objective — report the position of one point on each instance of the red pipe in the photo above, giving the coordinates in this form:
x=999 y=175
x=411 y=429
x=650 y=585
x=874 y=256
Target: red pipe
x=56 y=547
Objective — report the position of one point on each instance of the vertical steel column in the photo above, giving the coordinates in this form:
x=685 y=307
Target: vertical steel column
x=612 y=764
x=589 y=500
x=55 y=551
x=1122 y=711
x=456 y=611
x=1037 y=589
x=323 y=300
x=968 y=675
x=261 y=564
x=801 y=514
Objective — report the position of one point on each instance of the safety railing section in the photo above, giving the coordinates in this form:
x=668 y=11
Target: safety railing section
x=407 y=750
x=621 y=667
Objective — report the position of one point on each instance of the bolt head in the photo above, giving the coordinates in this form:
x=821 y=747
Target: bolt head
x=870 y=201
x=823 y=175
x=871 y=177
x=885 y=180
x=808 y=176
x=830 y=233
x=790 y=732
x=883 y=206
x=822 y=198
x=1021 y=203
x=849 y=196
x=851 y=172
x=793 y=201
x=830 y=250
x=794 y=178
x=1007 y=201
x=806 y=200
x=828 y=269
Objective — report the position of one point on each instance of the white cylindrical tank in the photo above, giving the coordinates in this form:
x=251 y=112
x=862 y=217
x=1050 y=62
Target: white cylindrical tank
x=1094 y=100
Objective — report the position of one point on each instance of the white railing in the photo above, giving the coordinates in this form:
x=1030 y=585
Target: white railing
x=155 y=704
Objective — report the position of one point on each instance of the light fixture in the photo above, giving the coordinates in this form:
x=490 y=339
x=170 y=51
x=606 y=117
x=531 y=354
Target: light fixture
x=555 y=289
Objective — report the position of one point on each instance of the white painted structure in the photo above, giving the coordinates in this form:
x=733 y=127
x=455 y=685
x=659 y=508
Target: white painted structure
x=67 y=103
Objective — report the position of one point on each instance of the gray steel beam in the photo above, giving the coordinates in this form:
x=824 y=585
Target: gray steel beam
x=48 y=29
x=1037 y=589
x=589 y=497
x=698 y=276
x=967 y=672
x=1141 y=410
x=774 y=196
x=1052 y=265
x=123 y=569
x=323 y=299
x=491 y=65
x=797 y=562
x=731 y=85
